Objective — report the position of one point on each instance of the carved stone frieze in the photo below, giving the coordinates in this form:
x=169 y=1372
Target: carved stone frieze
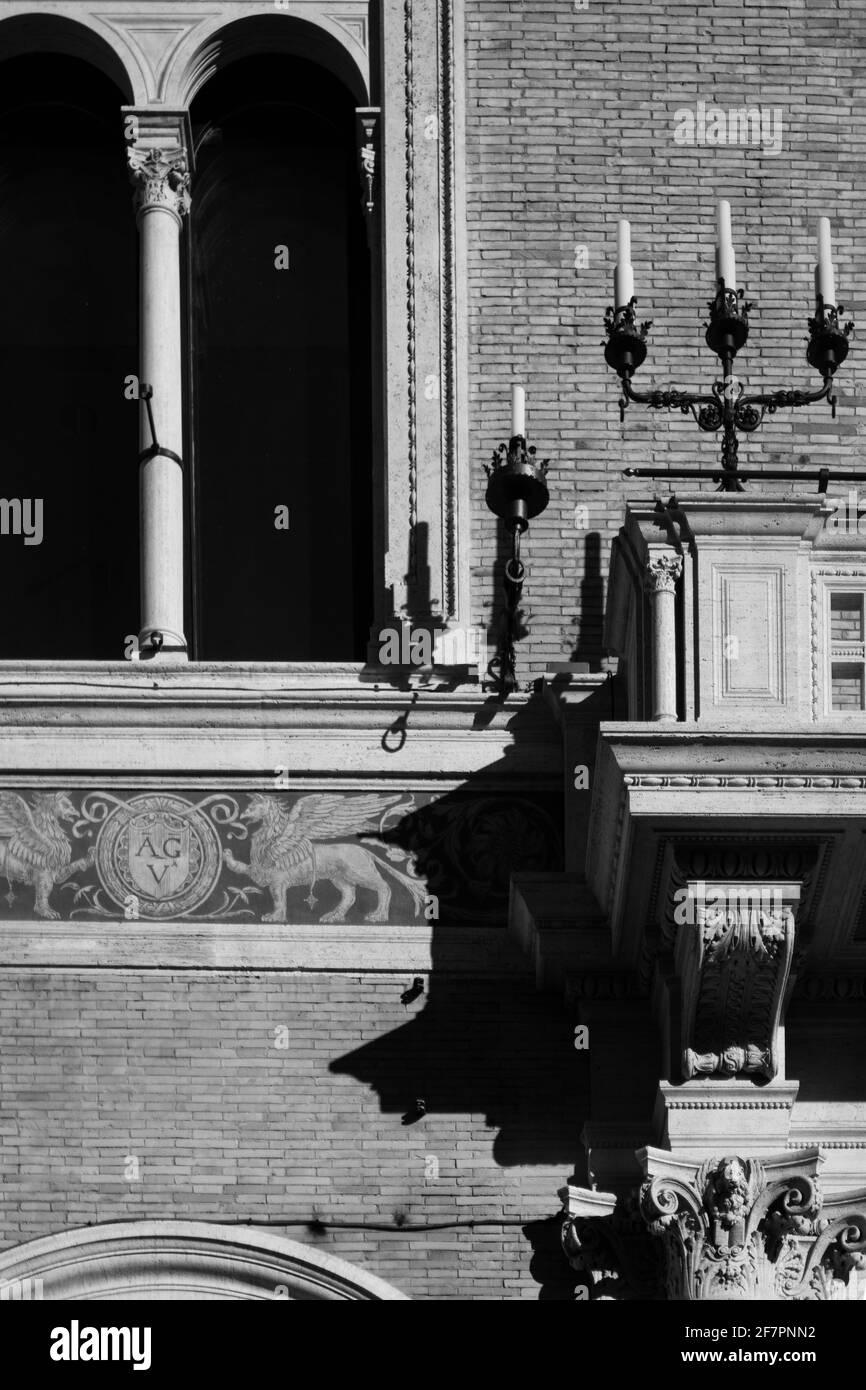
x=180 y=853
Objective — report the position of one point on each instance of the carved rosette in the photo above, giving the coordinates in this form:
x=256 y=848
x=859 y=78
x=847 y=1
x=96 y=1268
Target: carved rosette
x=160 y=178
x=741 y=1229
x=733 y=952
x=662 y=573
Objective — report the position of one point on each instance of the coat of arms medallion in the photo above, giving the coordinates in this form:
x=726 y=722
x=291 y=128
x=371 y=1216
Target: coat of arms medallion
x=160 y=851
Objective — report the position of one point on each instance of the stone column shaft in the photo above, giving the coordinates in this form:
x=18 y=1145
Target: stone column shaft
x=661 y=577
x=161 y=178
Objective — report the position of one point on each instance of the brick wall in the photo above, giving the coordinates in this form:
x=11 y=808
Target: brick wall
x=846 y=618
x=570 y=126
x=183 y=1073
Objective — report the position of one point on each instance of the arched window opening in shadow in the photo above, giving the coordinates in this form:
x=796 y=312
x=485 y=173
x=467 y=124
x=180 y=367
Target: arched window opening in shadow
x=281 y=368
x=68 y=341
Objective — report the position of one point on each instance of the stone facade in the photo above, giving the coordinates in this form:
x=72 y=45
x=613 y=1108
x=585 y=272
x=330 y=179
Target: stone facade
x=363 y=955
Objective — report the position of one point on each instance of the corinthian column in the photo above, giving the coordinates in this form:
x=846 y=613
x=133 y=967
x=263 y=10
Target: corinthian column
x=662 y=572
x=159 y=169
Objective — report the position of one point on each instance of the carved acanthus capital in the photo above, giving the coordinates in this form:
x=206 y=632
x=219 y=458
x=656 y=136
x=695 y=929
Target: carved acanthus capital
x=737 y=1228
x=662 y=572
x=160 y=178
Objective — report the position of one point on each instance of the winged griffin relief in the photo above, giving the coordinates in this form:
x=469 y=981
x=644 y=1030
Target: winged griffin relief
x=166 y=854
x=299 y=847
x=33 y=846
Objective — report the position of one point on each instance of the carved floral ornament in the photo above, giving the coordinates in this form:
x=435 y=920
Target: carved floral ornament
x=741 y=1229
x=733 y=953
x=160 y=178
x=662 y=572
x=732 y=1229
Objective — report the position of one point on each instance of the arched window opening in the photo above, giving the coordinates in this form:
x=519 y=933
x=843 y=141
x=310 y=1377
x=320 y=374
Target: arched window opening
x=68 y=341
x=281 y=379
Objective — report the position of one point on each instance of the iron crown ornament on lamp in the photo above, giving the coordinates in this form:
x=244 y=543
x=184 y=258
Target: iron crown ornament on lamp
x=516 y=492
x=728 y=408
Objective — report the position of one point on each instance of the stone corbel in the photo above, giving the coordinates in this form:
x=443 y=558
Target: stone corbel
x=733 y=955
x=368 y=128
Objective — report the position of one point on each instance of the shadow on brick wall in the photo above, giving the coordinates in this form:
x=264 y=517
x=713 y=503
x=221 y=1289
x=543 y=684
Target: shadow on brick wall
x=482 y=1042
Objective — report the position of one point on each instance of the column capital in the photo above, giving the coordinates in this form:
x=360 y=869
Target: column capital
x=160 y=178
x=663 y=569
x=159 y=156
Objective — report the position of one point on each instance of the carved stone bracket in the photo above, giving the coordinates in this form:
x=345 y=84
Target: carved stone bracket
x=739 y=1228
x=368 y=128
x=733 y=953
x=160 y=178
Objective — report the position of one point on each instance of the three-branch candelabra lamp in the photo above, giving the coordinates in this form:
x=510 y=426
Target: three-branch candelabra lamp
x=727 y=408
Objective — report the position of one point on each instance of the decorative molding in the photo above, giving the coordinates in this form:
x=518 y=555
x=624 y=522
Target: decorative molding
x=748 y=607
x=674 y=1103
x=447 y=239
x=412 y=366
x=738 y=782
x=160 y=178
x=662 y=572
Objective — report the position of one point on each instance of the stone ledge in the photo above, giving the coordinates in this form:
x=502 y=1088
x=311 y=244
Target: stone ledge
x=217 y=946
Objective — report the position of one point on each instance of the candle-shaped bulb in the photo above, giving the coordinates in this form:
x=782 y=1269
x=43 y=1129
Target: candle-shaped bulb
x=825 y=276
x=518 y=411
x=623 y=276
x=726 y=265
